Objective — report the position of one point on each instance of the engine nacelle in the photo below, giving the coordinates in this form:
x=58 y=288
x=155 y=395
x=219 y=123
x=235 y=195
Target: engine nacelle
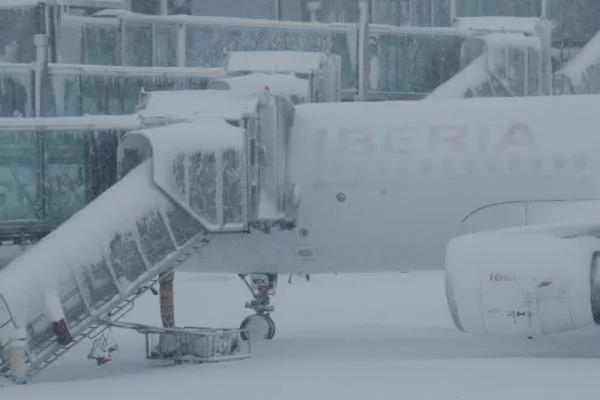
x=524 y=281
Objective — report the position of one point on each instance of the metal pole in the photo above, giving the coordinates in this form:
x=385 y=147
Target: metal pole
x=181 y=46
x=41 y=64
x=164 y=7
x=544 y=31
x=452 y=11
x=544 y=10
x=363 y=43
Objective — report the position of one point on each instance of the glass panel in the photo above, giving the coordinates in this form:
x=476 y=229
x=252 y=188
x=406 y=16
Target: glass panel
x=139 y=45
x=414 y=64
x=232 y=187
x=14 y=93
x=263 y=9
x=338 y=11
x=101 y=45
x=516 y=8
x=203 y=185
x=156 y=241
x=183 y=225
x=516 y=73
x=16 y=31
x=40 y=331
x=19 y=176
x=125 y=258
x=6 y=325
x=73 y=306
x=97 y=284
x=533 y=71
x=165 y=46
x=179 y=175
x=66 y=181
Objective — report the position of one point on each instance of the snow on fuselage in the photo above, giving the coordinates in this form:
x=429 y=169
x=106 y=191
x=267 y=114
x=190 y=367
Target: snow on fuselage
x=384 y=186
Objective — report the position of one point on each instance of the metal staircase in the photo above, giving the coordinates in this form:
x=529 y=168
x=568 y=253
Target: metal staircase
x=90 y=270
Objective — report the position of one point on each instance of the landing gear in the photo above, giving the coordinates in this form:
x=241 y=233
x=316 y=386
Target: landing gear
x=259 y=325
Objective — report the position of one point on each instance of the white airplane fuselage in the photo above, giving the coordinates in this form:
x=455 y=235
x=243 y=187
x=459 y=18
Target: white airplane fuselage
x=385 y=186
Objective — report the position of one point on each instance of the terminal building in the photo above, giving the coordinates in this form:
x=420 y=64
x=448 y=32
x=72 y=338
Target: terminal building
x=86 y=58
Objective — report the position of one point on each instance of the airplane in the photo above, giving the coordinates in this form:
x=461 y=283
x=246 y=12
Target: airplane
x=502 y=192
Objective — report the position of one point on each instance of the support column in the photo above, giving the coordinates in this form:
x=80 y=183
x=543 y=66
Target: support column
x=544 y=31
x=181 y=46
x=167 y=300
x=40 y=70
x=452 y=11
x=163 y=7
x=363 y=43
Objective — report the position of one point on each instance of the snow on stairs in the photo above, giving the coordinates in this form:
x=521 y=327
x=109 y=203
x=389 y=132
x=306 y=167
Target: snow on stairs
x=89 y=271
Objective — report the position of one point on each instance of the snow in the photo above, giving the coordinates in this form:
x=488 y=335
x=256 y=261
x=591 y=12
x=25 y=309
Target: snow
x=253 y=85
x=273 y=61
x=470 y=77
x=195 y=104
x=588 y=56
x=42 y=267
x=510 y=24
x=396 y=342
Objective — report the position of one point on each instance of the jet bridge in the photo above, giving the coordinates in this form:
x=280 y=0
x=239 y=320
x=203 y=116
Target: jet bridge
x=183 y=183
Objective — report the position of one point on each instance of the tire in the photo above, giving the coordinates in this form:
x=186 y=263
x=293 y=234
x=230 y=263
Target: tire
x=258 y=327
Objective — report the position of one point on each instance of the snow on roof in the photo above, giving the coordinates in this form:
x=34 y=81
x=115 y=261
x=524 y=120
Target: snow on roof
x=255 y=84
x=470 y=77
x=273 y=61
x=195 y=104
x=511 y=24
x=588 y=56
x=78 y=3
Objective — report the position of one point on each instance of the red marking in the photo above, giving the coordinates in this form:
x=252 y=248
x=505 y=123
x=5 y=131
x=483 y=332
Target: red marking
x=518 y=135
x=452 y=136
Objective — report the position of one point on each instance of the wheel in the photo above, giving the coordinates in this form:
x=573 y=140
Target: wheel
x=259 y=327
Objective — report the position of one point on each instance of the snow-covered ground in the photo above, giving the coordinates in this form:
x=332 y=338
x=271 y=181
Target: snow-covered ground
x=362 y=336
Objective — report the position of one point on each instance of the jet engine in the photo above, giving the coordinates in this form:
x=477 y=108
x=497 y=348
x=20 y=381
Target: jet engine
x=524 y=281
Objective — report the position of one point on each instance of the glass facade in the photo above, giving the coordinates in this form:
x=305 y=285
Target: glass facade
x=47 y=176
x=17 y=27
x=412 y=64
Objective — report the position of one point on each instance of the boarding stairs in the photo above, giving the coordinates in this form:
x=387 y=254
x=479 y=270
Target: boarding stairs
x=85 y=313
x=115 y=249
